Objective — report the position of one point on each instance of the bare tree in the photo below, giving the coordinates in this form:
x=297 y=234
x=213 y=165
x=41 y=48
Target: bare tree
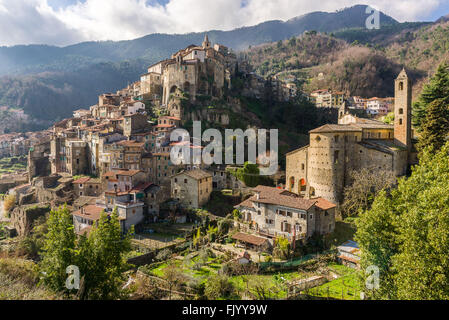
x=367 y=183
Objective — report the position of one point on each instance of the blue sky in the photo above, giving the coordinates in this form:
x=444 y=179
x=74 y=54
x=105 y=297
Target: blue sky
x=63 y=22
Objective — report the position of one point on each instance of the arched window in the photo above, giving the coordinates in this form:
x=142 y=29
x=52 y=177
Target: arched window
x=312 y=191
x=303 y=184
x=292 y=183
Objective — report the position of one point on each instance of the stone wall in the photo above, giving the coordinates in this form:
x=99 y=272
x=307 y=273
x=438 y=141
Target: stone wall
x=22 y=217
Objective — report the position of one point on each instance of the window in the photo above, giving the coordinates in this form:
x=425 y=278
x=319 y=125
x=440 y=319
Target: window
x=401 y=111
x=81 y=186
x=336 y=154
x=336 y=138
x=185 y=180
x=259 y=212
x=81 y=193
x=289 y=214
x=401 y=86
x=176 y=180
x=326 y=213
x=400 y=121
x=302 y=166
x=311 y=216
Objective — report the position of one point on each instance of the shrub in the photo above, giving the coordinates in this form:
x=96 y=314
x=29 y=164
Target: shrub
x=9 y=202
x=164 y=255
x=219 y=286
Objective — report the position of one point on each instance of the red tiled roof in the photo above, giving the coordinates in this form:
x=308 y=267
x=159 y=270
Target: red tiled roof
x=323 y=204
x=82 y=180
x=129 y=173
x=142 y=186
x=130 y=143
x=249 y=238
x=91 y=212
x=270 y=195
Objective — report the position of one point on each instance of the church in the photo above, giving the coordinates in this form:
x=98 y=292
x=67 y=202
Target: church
x=323 y=168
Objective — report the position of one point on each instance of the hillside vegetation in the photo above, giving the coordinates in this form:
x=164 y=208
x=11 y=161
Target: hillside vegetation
x=357 y=61
x=49 y=82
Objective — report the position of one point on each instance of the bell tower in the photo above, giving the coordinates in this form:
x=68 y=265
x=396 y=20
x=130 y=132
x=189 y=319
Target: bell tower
x=206 y=42
x=403 y=111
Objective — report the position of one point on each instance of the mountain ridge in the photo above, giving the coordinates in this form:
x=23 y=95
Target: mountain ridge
x=156 y=46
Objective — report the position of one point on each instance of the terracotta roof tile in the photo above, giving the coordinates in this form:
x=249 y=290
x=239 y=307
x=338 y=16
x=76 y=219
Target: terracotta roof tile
x=249 y=238
x=323 y=204
x=91 y=212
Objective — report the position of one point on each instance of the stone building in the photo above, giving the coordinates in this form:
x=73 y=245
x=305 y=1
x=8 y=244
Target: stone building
x=323 y=168
x=274 y=212
x=23 y=217
x=195 y=70
x=39 y=160
x=135 y=123
x=192 y=187
x=86 y=186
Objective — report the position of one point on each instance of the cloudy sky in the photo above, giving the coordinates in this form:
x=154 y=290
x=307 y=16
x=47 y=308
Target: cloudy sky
x=63 y=22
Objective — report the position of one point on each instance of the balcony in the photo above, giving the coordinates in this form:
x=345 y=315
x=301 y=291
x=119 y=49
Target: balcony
x=269 y=233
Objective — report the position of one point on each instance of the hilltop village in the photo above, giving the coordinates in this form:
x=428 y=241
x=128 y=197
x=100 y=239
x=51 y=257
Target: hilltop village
x=112 y=155
x=116 y=155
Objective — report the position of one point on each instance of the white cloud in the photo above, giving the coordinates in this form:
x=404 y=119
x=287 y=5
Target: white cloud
x=34 y=21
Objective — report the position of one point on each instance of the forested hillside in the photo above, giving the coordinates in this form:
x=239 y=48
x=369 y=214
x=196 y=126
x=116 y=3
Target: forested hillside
x=357 y=61
x=53 y=95
x=49 y=82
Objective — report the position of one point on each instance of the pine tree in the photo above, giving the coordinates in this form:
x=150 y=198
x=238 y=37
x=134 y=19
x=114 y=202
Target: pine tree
x=59 y=249
x=437 y=88
x=435 y=127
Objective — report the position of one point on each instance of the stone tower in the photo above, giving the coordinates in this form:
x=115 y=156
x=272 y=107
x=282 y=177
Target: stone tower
x=206 y=42
x=343 y=110
x=403 y=111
